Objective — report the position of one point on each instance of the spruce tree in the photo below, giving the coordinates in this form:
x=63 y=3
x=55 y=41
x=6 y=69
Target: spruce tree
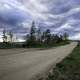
x=31 y=41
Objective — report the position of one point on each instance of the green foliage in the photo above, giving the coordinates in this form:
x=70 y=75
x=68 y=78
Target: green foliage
x=31 y=40
x=8 y=45
x=35 y=39
x=5 y=45
x=33 y=29
x=39 y=39
x=11 y=36
x=4 y=36
x=65 y=36
x=46 y=37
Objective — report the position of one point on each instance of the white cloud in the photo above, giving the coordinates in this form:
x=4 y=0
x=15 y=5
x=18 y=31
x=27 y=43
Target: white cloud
x=40 y=10
x=75 y=37
x=69 y=13
x=20 y=40
x=35 y=8
x=65 y=26
x=48 y=23
x=69 y=25
x=4 y=6
x=1 y=40
x=26 y=24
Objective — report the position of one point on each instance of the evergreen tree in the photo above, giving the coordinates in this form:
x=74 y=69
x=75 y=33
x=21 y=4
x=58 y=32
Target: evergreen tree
x=31 y=41
x=39 y=34
x=60 y=38
x=11 y=36
x=56 y=38
x=33 y=29
x=4 y=36
x=65 y=35
x=46 y=36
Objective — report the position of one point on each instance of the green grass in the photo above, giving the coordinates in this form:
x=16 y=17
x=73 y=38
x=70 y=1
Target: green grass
x=68 y=69
x=9 y=45
x=44 y=46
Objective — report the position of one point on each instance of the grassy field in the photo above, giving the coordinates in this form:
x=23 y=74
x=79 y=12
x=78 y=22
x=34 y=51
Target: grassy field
x=22 y=45
x=68 y=69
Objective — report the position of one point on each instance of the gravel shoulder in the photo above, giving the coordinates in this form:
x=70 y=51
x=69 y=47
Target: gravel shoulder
x=17 y=64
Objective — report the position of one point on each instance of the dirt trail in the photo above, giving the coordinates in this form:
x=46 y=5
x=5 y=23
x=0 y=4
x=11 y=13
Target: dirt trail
x=26 y=65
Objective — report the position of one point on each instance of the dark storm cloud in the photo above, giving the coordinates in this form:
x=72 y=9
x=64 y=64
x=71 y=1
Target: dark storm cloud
x=57 y=15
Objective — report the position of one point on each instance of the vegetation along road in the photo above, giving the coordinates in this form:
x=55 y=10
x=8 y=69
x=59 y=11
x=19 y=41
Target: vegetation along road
x=25 y=65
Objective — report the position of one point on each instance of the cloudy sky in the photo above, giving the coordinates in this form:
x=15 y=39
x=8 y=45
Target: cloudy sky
x=58 y=15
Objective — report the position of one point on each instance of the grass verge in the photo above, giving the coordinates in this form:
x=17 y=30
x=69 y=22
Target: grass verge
x=8 y=45
x=68 y=69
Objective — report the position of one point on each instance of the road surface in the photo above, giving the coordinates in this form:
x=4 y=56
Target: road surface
x=20 y=64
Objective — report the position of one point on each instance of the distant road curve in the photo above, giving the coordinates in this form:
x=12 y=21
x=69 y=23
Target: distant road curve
x=27 y=65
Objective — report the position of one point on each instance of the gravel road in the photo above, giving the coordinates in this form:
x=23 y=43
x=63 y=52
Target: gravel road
x=23 y=64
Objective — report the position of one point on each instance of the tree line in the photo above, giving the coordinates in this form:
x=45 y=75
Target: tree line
x=39 y=38
x=36 y=38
